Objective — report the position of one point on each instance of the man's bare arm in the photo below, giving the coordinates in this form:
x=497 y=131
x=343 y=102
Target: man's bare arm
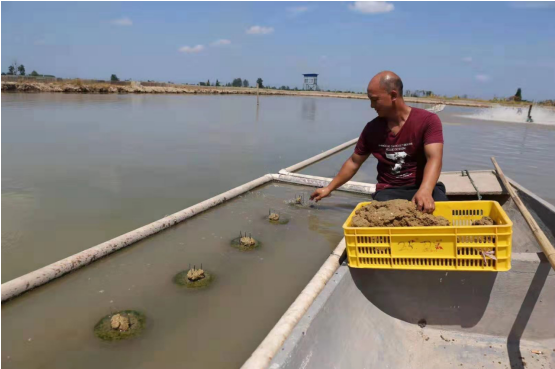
x=348 y=170
x=434 y=156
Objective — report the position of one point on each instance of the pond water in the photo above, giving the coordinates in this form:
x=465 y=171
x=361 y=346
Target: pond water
x=216 y=327
x=81 y=169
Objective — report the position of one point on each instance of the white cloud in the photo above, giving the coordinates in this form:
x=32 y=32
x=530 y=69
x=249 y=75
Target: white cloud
x=191 y=50
x=220 y=42
x=124 y=21
x=297 y=10
x=371 y=7
x=259 y=30
x=467 y=59
x=532 y=4
x=482 y=77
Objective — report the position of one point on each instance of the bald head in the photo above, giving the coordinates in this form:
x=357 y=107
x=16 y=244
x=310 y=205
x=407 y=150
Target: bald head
x=385 y=92
x=387 y=80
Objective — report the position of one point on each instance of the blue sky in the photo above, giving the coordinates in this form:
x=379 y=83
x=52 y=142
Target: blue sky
x=477 y=48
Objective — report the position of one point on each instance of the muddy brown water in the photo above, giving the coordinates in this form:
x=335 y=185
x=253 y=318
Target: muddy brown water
x=216 y=327
x=81 y=169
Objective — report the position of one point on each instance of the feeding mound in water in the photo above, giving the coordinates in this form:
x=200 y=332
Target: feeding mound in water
x=484 y=221
x=245 y=243
x=395 y=213
x=276 y=218
x=193 y=278
x=299 y=201
x=120 y=326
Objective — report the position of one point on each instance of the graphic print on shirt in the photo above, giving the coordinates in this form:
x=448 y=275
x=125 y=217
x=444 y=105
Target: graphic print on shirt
x=397 y=154
x=398 y=158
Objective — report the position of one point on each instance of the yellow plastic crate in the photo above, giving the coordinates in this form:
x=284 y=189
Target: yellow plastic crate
x=459 y=246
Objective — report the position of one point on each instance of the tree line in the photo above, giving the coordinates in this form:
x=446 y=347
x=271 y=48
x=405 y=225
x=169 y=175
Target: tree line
x=237 y=82
x=16 y=69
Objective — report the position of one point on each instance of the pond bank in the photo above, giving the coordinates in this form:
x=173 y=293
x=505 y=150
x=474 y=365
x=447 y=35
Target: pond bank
x=138 y=88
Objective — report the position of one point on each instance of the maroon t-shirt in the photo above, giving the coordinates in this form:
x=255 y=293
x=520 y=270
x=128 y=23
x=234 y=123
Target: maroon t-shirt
x=401 y=157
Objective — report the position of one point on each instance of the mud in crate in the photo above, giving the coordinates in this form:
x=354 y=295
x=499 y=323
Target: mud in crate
x=459 y=246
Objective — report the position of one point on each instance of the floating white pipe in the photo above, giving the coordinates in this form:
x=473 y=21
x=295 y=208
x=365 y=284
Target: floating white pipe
x=308 y=180
x=46 y=274
x=322 y=156
x=263 y=355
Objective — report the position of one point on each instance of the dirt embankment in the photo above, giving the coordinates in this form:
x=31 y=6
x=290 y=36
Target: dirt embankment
x=137 y=88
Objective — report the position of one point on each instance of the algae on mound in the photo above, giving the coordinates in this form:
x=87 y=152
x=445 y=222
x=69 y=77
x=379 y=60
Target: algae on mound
x=195 y=274
x=245 y=243
x=395 y=213
x=193 y=278
x=120 y=322
x=274 y=217
x=120 y=326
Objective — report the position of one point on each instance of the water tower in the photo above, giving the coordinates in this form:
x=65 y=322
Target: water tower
x=310 y=82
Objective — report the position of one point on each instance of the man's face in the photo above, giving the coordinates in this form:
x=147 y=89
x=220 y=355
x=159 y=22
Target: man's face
x=380 y=100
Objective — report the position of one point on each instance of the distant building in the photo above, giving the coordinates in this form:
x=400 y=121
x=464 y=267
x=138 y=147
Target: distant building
x=310 y=82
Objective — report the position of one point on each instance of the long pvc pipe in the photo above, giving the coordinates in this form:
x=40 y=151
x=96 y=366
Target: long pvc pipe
x=263 y=355
x=322 y=156
x=308 y=180
x=46 y=274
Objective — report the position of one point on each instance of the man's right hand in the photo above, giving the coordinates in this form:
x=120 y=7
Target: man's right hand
x=320 y=193
x=348 y=170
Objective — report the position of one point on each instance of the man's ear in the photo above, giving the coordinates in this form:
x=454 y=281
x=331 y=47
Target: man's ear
x=394 y=95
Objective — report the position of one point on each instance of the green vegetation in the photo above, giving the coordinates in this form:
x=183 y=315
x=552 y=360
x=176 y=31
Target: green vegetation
x=137 y=322
x=245 y=83
x=114 y=78
x=218 y=83
x=518 y=95
x=34 y=73
x=236 y=242
x=259 y=83
x=237 y=82
x=182 y=280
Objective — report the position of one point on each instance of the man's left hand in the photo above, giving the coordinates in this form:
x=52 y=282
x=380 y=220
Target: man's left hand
x=424 y=201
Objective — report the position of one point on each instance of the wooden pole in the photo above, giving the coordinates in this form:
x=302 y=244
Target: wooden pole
x=257 y=87
x=542 y=239
x=530 y=111
x=529 y=118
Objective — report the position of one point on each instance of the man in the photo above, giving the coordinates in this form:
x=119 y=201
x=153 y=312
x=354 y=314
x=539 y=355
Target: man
x=408 y=144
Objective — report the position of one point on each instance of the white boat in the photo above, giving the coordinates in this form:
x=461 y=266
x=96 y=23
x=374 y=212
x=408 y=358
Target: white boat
x=372 y=318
